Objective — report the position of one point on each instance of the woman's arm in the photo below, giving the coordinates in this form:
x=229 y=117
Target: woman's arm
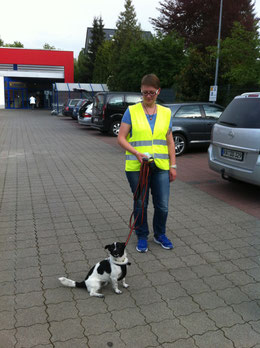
x=172 y=157
x=122 y=141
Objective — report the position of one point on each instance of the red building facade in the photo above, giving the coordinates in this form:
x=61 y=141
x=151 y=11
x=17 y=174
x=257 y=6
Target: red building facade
x=26 y=72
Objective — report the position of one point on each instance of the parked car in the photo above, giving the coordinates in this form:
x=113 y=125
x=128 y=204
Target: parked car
x=78 y=106
x=68 y=107
x=85 y=106
x=192 y=123
x=85 y=117
x=109 y=107
x=235 y=142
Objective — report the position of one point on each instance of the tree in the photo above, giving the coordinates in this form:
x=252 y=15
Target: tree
x=85 y=64
x=76 y=70
x=195 y=77
x=162 y=55
x=197 y=20
x=127 y=26
x=239 y=68
x=46 y=46
x=240 y=57
x=81 y=66
x=128 y=32
x=14 y=44
x=103 y=63
x=1 y=42
x=98 y=37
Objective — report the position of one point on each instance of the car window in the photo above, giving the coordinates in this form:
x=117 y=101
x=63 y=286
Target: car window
x=212 y=111
x=74 y=101
x=80 y=103
x=116 y=101
x=189 y=111
x=172 y=107
x=99 y=101
x=242 y=113
x=133 y=99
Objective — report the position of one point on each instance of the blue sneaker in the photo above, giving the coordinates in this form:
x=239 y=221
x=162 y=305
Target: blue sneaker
x=142 y=246
x=163 y=241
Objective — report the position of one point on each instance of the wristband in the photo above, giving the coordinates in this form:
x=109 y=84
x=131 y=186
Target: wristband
x=173 y=166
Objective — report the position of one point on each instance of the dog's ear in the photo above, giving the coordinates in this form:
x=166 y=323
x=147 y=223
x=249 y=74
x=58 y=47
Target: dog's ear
x=122 y=245
x=109 y=247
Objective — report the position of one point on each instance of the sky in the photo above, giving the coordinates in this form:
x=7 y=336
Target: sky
x=57 y=23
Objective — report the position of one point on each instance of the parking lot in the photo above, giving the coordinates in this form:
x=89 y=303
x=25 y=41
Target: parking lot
x=64 y=196
x=193 y=169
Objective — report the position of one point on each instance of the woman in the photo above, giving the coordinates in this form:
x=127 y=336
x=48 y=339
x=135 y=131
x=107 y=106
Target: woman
x=146 y=130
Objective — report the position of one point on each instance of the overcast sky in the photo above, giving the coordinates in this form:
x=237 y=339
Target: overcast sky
x=63 y=23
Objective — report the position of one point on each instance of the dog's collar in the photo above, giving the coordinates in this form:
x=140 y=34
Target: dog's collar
x=119 y=263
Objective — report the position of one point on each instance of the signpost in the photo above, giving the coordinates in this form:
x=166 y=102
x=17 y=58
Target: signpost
x=213 y=92
x=214 y=89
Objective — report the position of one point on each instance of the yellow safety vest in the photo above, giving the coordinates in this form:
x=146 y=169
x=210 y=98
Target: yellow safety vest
x=144 y=141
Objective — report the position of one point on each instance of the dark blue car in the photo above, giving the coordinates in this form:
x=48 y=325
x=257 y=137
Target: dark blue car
x=78 y=107
x=68 y=107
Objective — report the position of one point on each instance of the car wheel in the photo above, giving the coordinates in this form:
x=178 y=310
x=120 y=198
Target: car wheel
x=114 y=129
x=180 y=143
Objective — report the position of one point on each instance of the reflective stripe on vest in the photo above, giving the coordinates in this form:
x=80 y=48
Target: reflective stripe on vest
x=144 y=141
x=156 y=155
x=148 y=142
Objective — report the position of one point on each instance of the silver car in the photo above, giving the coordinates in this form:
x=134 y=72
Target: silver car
x=235 y=140
x=85 y=117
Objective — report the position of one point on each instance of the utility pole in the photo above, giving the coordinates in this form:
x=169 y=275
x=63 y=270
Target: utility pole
x=218 y=50
x=214 y=89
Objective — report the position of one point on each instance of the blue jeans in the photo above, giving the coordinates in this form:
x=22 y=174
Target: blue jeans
x=159 y=184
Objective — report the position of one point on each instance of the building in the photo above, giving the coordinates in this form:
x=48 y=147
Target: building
x=26 y=72
x=109 y=33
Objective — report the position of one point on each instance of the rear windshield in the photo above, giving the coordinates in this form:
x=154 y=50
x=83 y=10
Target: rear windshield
x=242 y=113
x=132 y=99
x=74 y=101
x=81 y=102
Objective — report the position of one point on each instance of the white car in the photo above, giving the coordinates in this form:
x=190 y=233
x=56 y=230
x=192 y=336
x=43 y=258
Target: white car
x=85 y=117
x=235 y=141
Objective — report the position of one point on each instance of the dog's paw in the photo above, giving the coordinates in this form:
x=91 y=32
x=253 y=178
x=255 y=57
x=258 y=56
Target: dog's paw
x=96 y=294
x=125 y=285
x=117 y=291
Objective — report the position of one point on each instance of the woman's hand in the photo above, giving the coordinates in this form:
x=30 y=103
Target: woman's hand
x=140 y=156
x=122 y=141
x=172 y=174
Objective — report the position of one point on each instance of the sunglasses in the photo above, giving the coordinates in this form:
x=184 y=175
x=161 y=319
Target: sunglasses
x=151 y=93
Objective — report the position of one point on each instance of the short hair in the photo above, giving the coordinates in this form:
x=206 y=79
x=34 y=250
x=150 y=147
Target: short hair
x=151 y=80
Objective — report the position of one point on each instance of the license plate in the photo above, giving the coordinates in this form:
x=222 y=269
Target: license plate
x=233 y=154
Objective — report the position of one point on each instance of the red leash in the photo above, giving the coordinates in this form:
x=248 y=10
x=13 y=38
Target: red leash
x=141 y=189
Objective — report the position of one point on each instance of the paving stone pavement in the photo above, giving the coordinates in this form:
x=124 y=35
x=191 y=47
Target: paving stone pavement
x=63 y=197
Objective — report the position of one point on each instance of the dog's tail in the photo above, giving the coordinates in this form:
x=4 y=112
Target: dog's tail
x=71 y=283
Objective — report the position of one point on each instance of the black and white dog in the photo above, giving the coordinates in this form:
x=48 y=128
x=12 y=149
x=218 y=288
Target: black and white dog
x=112 y=270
